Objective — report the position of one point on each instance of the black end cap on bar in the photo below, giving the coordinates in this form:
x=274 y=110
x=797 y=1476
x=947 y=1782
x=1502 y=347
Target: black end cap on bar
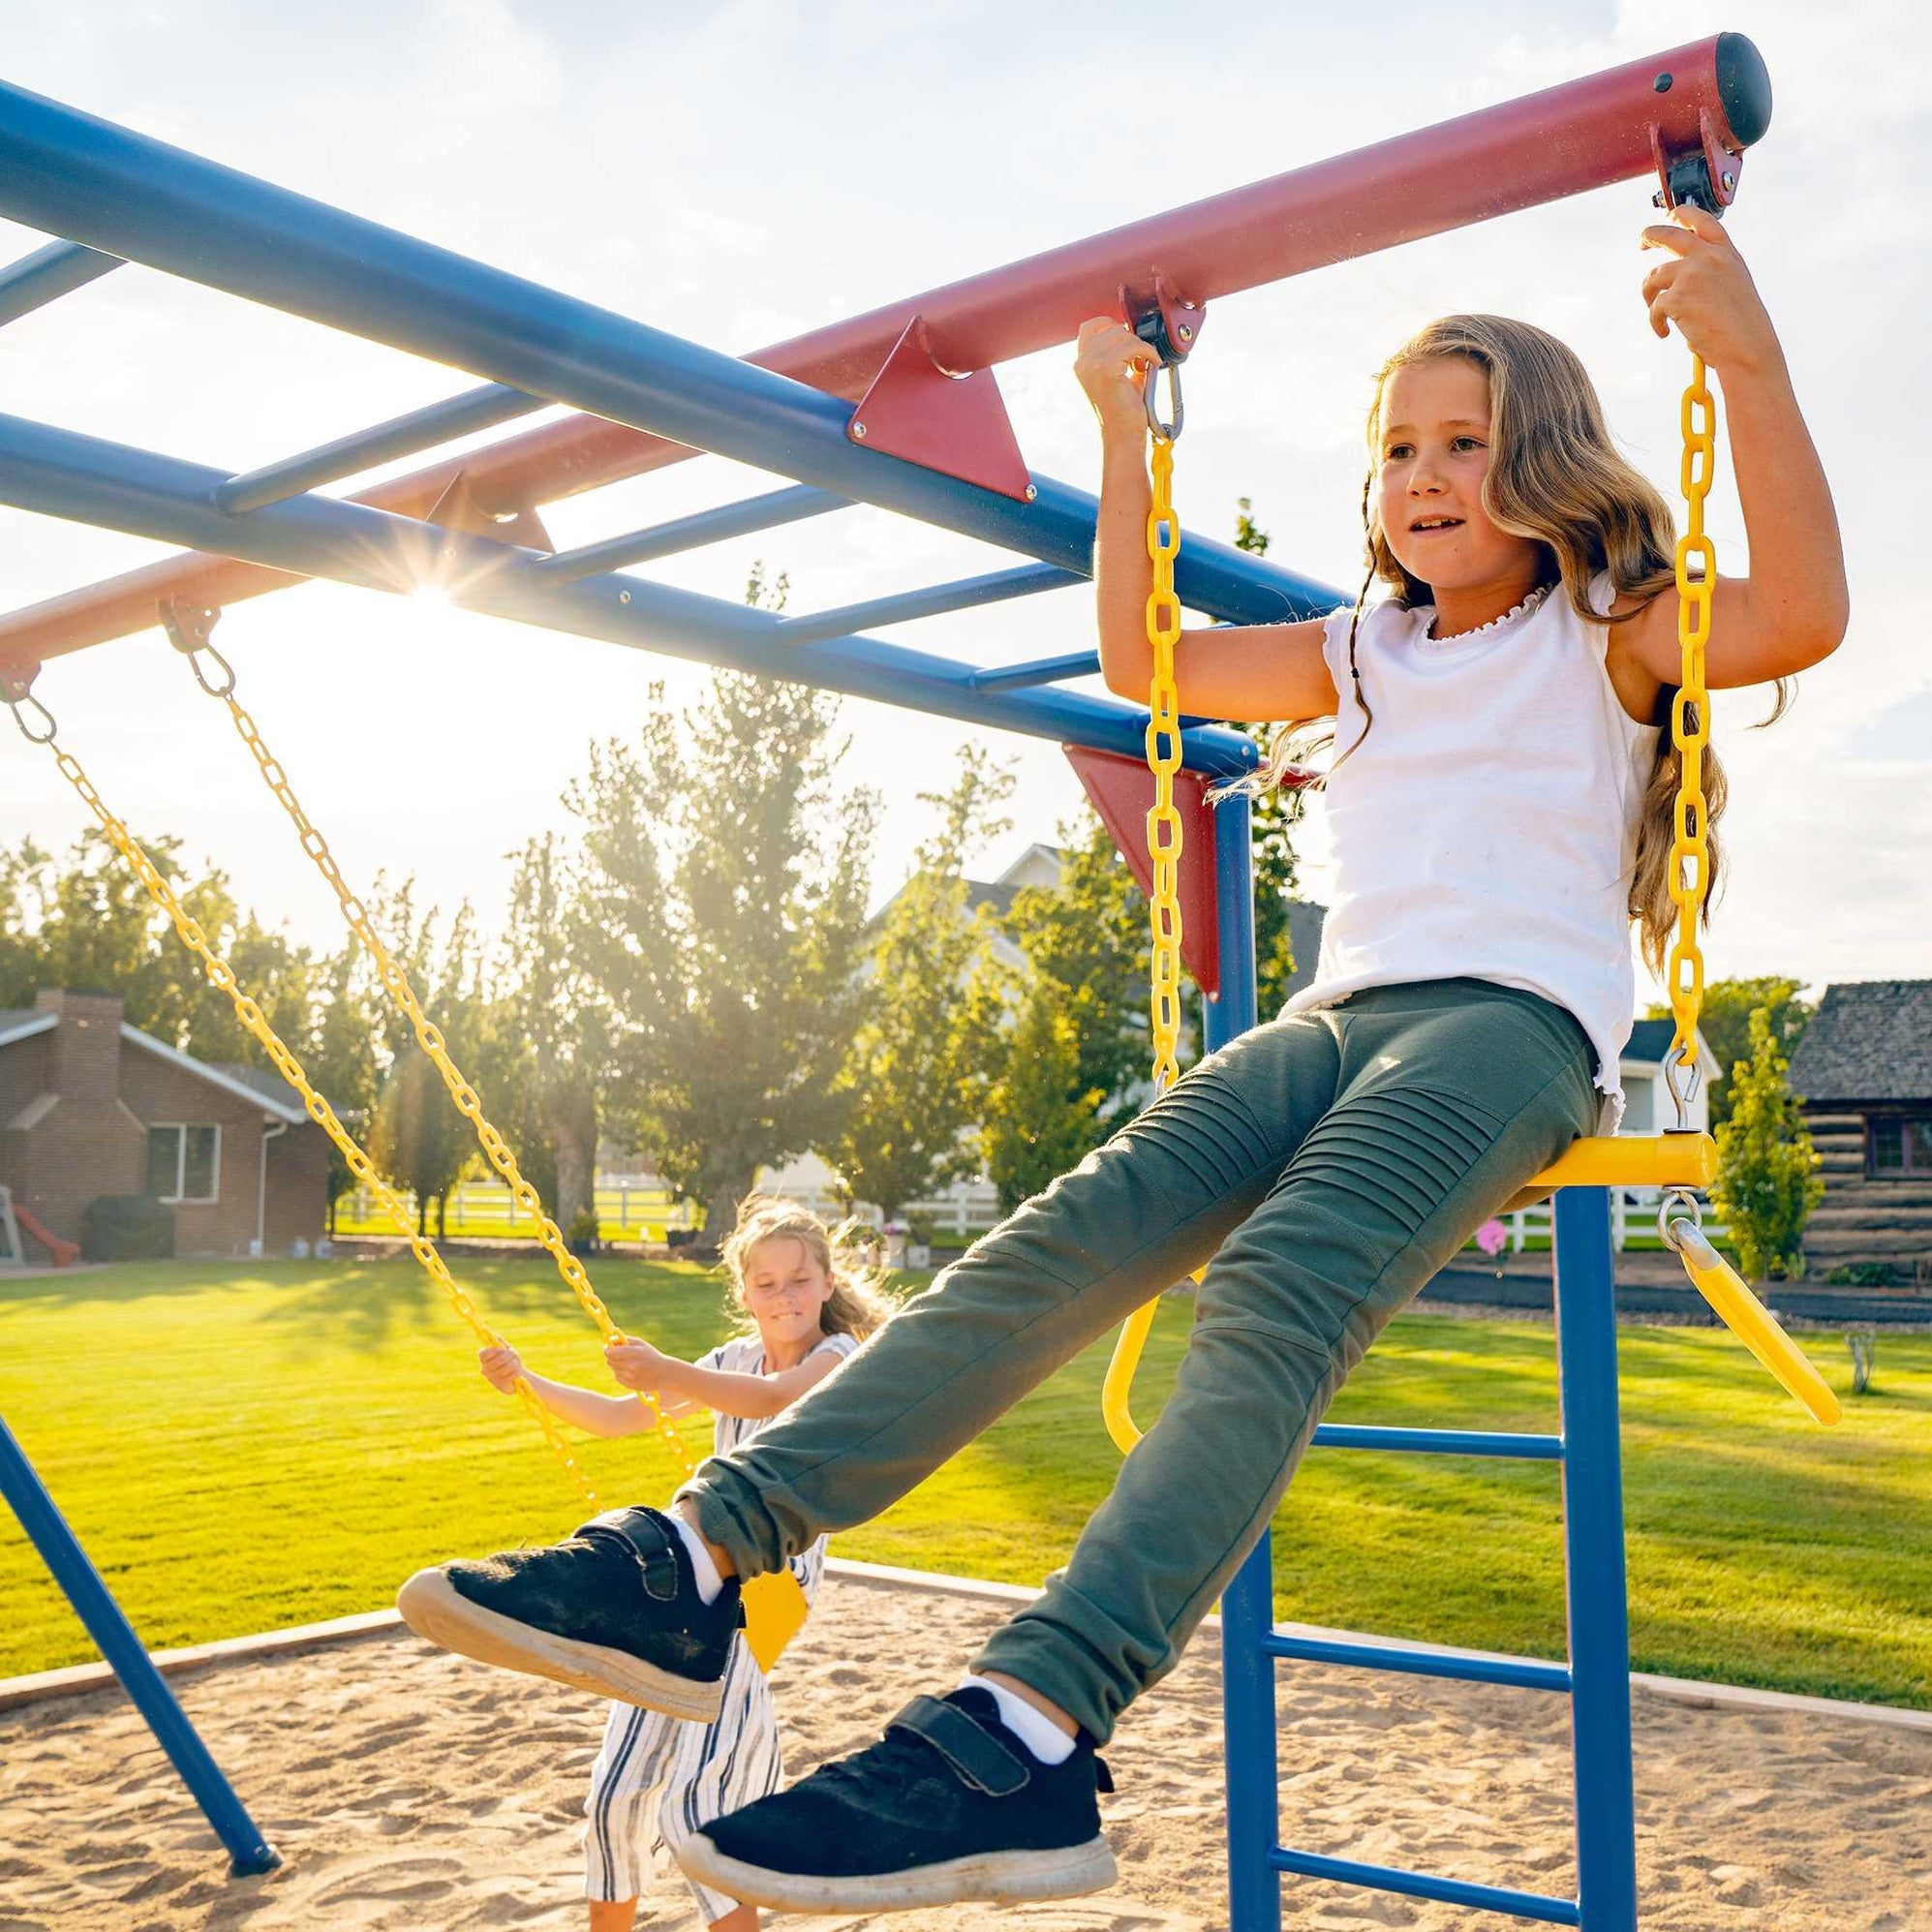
x=1744 y=86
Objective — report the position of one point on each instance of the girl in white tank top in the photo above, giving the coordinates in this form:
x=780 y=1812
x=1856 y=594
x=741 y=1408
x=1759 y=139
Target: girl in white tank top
x=1500 y=802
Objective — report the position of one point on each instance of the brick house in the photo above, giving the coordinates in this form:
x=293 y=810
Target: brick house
x=1864 y=1072
x=90 y=1105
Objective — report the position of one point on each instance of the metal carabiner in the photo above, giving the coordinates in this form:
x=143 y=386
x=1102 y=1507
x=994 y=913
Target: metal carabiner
x=190 y=628
x=18 y=697
x=1167 y=432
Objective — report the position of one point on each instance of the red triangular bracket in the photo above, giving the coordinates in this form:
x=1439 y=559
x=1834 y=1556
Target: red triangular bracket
x=955 y=425
x=1121 y=789
x=458 y=508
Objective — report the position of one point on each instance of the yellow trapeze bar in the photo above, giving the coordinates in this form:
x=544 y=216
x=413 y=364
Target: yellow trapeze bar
x=1751 y=1322
x=1634 y=1160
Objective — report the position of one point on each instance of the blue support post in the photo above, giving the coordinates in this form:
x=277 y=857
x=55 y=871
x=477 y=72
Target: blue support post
x=96 y=1607
x=1247 y=1604
x=47 y=274
x=1594 y=1562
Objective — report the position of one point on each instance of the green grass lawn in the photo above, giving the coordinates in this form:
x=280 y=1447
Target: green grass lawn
x=246 y=1445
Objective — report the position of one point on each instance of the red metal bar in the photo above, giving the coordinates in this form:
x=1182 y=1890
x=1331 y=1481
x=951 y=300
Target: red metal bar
x=1606 y=128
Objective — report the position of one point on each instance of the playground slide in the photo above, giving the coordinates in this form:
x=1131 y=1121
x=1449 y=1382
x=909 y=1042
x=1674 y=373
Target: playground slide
x=64 y=1254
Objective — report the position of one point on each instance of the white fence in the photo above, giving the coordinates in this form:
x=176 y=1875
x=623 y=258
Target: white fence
x=1633 y=1212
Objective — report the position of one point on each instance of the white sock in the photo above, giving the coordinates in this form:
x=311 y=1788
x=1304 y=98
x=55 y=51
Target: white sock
x=704 y=1570
x=1033 y=1728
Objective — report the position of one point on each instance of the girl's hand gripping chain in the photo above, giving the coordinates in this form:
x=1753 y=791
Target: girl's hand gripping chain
x=1706 y=288
x=500 y=1364
x=1113 y=366
x=637 y=1365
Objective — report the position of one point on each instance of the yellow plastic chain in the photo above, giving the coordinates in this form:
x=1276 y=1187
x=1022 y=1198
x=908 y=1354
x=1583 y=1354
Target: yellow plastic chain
x=1164 y=843
x=223 y=975
x=774 y=1606
x=1689 y=727
x=1163 y=745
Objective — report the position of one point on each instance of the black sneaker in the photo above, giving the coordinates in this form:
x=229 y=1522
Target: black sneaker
x=947 y=1806
x=613 y=1609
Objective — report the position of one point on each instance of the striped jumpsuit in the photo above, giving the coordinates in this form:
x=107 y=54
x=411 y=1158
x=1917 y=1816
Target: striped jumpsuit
x=658 y=1779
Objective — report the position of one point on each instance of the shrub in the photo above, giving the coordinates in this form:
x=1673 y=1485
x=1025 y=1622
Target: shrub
x=128 y=1227
x=1865 y=1275
x=1768 y=1170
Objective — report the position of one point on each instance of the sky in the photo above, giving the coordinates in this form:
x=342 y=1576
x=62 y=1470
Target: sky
x=740 y=173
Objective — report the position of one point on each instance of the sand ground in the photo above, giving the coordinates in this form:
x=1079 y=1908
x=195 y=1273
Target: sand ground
x=409 y=1789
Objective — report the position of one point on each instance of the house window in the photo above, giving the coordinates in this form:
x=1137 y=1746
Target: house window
x=1902 y=1145
x=1639 y=1105
x=183 y=1162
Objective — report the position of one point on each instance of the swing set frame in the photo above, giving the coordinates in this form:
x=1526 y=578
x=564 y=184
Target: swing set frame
x=898 y=408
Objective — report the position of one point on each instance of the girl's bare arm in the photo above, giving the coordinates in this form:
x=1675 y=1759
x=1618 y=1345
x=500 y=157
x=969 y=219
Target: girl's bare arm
x=1245 y=672
x=637 y=1364
x=583 y=1408
x=1790 y=612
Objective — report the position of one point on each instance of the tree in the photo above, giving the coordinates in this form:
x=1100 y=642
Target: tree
x=1767 y=1180
x=1725 y=1022
x=86 y=922
x=923 y=1057
x=342 y=1059
x=1040 y=1120
x=1086 y=938
x=418 y=1139
x=721 y=913
x=546 y=1037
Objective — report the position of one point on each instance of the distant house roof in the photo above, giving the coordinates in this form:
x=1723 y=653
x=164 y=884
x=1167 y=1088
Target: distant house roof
x=19 y=1023
x=268 y=1090
x=1870 y=1039
x=1649 y=1039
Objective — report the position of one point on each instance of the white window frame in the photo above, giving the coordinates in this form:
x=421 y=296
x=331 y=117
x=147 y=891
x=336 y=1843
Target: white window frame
x=177 y=1199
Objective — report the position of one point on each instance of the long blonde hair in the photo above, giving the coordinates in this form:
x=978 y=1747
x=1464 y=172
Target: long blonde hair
x=859 y=1303
x=1556 y=478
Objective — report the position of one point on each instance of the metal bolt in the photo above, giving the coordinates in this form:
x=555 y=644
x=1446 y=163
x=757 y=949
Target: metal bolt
x=1033 y=492
x=623 y=596
x=1662 y=84
x=1187 y=333
x=1657 y=200
x=1728 y=180
x=859 y=432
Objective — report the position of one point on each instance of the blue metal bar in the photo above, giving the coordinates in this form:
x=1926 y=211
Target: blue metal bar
x=689 y=533
x=94 y=1604
x=964 y=594
x=1247 y=1604
x=1594 y=1562
x=1441 y=1442
x=1357 y=1653
x=1040 y=671
x=400 y=436
x=47 y=274
x=1421 y=1885
x=61 y=473
x=71 y=173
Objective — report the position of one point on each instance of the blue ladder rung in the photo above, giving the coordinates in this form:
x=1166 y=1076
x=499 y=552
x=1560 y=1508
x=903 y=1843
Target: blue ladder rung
x=1421 y=1885
x=1441 y=1442
x=1419 y=1661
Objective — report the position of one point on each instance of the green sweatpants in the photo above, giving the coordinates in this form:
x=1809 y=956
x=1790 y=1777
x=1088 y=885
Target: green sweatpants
x=1325 y=1167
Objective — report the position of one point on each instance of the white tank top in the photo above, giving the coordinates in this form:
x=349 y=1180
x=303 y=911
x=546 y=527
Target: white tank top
x=1486 y=826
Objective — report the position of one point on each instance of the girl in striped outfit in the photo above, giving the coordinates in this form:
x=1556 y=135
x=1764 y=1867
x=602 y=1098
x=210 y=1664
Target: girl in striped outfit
x=805 y=1300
